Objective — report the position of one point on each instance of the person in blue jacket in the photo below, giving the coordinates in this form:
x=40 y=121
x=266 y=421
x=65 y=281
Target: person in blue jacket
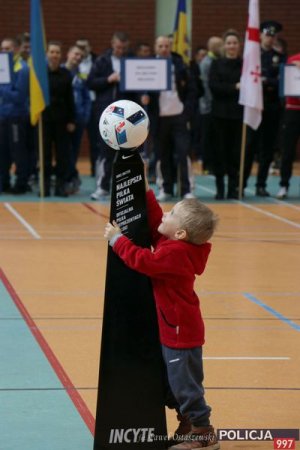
x=14 y=116
x=83 y=105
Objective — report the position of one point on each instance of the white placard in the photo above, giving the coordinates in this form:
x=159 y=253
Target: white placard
x=145 y=74
x=291 y=81
x=5 y=67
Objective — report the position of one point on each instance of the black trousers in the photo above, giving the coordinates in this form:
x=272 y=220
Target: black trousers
x=291 y=134
x=13 y=137
x=174 y=142
x=261 y=142
x=207 y=141
x=93 y=136
x=55 y=135
x=226 y=156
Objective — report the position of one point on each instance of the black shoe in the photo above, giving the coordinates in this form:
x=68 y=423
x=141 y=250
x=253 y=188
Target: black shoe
x=6 y=188
x=21 y=189
x=220 y=186
x=261 y=192
x=59 y=192
x=234 y=195
x=219 y=196
x=46 y=193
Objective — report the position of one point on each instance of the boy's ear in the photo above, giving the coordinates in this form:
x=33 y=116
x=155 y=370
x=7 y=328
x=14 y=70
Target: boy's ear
x=181 y=235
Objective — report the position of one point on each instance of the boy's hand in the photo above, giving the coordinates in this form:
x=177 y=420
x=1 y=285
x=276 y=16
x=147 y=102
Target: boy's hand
x=111 y=230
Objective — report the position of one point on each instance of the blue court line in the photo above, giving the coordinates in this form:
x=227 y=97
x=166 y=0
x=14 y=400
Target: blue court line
x=35 y=411
x=272 y=311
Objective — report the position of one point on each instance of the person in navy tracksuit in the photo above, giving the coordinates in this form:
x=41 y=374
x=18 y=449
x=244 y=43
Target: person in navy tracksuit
x=14 y=116
x=83 y=105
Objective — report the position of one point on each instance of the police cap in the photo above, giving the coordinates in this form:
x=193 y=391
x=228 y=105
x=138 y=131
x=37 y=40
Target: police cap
x=270 y=27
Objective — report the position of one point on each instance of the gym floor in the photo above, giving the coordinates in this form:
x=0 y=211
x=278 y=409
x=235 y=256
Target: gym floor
x=52 y=277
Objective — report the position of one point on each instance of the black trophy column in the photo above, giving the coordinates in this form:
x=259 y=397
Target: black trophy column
x=130 y=407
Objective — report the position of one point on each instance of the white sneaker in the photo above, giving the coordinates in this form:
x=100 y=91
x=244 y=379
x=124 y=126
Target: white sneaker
x=282 y=193
x=99 y=194
x=163 y=196
x=189 y=195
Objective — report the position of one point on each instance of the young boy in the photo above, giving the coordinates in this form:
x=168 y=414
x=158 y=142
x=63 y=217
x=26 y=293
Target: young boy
x=180 y=250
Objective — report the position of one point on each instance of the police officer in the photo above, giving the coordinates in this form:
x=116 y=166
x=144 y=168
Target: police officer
x=262 y=141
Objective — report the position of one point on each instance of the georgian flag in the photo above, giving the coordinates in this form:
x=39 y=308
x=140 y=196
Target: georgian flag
x=251 y=95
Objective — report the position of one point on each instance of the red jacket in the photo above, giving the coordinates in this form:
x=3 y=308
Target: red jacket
x=172 y=266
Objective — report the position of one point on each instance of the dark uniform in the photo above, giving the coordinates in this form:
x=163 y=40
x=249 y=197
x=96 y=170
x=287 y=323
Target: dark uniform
x=227 y=116
x=106 y=93
x=56 y=116
x=262 y=141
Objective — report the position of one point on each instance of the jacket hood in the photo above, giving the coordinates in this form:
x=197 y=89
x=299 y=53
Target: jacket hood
x=198 y=255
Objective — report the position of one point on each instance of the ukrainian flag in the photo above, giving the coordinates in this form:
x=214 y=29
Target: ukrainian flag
x=180 y=38
x=39 y=88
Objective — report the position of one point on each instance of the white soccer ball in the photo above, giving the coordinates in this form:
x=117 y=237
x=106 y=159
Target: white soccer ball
x=124 y=125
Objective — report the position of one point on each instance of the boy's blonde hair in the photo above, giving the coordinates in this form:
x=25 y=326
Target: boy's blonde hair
x=198 y=221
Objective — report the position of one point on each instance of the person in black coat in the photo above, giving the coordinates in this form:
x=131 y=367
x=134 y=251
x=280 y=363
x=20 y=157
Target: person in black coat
x=58 y=121
x=104 y=79
x=227 y=115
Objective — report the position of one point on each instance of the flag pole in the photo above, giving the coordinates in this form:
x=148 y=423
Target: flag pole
x=242 y=160
x=41 y=157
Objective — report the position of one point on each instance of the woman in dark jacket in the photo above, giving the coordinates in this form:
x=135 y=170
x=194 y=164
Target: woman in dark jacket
x=227 y=114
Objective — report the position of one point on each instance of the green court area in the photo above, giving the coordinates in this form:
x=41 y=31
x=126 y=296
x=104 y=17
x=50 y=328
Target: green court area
x=204 y=189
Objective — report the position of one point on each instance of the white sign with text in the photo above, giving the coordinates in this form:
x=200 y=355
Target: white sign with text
x=5 y=68
x=145 y=74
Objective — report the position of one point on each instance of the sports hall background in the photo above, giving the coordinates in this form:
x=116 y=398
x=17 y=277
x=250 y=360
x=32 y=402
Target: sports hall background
x=96 y=20
x=67 y=20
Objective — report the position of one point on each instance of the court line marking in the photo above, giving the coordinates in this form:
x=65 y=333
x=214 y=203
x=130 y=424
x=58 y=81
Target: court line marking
x=271 y=310
x=274 y=201
x=59 y=238
x=247 y=358
x=91 y=208
x=91 y=388
x=269 y=214
x=250 y=388
x=255 y=208
x=289 y=205
x=75 y=397
x=18 y=216
x=67 y=318
x=278 y=202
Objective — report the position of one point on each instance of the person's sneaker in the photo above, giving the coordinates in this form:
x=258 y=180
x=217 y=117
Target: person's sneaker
x=46 y=193
x=72 y=187
x=198 y=438
x=184 y=427
x=21 y=189
x=219 y=195
x=61 y=192
x=233 y=195
x=99 y=194
x=189 y=195
x=282 y=193
x=6 y=188
x=261 y=192
x=163 y=196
